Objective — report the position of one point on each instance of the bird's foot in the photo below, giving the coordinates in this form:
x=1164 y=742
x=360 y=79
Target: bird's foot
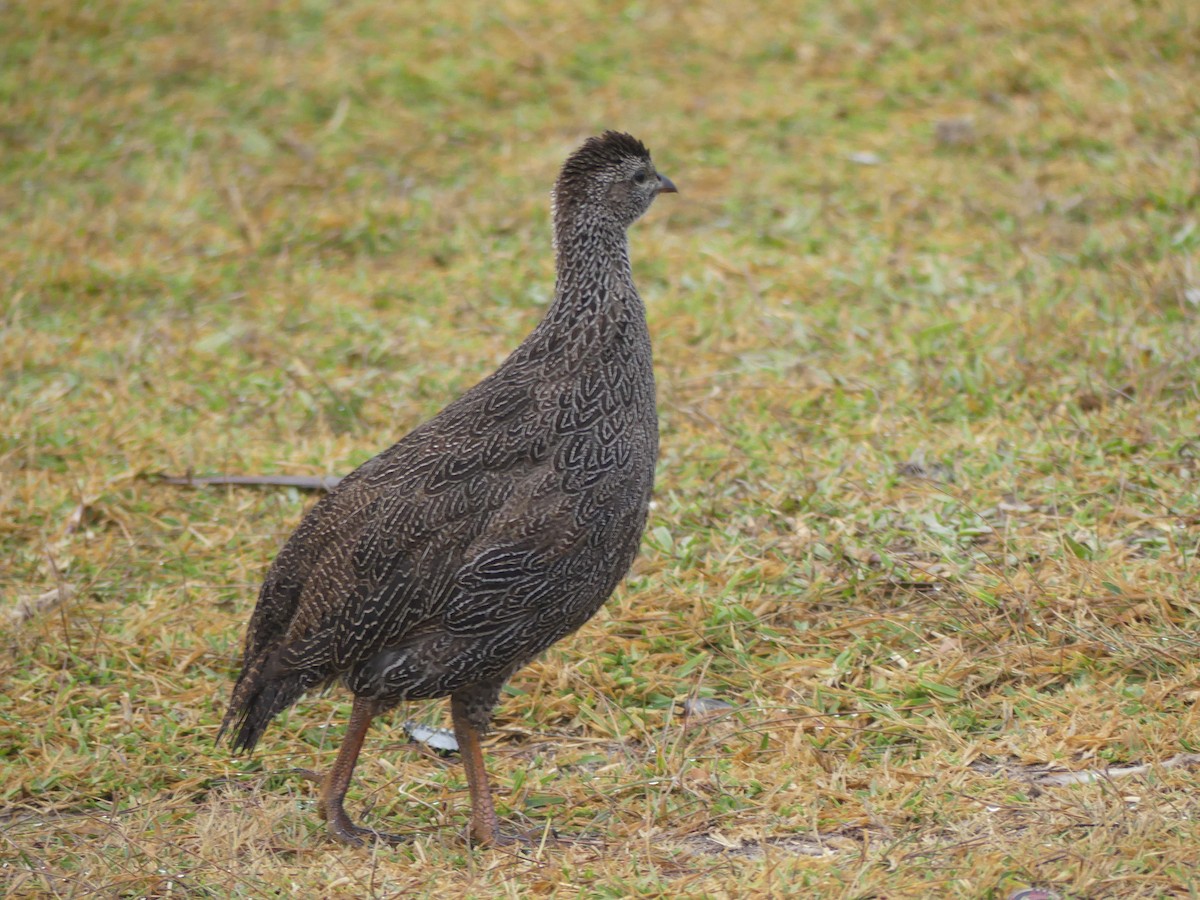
x=523 y=841
x=342 y=829
x=498 y=839
x=357 y=835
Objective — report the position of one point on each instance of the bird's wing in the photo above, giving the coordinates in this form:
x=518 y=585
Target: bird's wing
x=371 y=560
x=547 y=558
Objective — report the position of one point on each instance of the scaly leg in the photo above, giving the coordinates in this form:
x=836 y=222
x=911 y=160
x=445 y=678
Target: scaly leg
x=333 y=792
x=485 y=827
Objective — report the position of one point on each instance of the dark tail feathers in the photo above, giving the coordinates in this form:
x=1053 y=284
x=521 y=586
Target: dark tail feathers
x=257 y=698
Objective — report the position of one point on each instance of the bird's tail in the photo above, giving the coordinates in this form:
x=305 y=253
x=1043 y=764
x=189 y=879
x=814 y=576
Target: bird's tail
x=258 y=696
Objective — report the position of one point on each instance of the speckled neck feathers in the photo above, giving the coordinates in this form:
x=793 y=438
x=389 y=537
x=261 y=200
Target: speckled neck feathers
x=595 y=297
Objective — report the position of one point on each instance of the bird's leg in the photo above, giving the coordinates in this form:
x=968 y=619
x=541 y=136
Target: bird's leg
x=333 y=791
x=485 y=827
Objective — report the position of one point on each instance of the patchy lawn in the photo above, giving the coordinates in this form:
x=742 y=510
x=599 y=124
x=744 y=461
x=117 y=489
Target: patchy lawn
x=927 y=326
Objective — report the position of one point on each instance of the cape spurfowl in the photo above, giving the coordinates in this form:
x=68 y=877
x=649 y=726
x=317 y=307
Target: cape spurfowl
x=459 y=554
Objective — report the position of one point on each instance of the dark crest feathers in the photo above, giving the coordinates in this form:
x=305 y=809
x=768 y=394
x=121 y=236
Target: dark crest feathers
x=596 y=153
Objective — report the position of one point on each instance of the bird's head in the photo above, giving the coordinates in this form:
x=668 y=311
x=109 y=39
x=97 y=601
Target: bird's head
x=611 y=177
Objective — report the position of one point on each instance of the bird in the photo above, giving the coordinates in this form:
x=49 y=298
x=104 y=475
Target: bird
x=501 y=525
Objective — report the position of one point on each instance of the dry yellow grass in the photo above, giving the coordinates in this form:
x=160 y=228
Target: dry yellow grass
x=925 y=317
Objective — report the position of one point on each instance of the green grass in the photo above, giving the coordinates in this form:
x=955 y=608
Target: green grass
x=926 y=316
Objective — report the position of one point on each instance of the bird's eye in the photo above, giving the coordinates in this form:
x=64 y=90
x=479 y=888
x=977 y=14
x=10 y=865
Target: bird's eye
x=640 y=177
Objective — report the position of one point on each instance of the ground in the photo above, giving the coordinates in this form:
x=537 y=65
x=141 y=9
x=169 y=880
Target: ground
x=922 y=564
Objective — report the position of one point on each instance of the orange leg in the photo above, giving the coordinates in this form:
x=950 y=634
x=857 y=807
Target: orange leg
x=485 y=827
x=333 y=792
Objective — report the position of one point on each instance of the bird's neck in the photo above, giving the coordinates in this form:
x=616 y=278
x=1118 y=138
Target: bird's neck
x=597 y=313
x=594 y=278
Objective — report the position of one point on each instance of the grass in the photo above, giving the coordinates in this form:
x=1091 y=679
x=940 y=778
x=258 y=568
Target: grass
x=927 y=319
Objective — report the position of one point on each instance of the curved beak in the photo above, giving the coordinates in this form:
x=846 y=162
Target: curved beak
x=666 y=185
